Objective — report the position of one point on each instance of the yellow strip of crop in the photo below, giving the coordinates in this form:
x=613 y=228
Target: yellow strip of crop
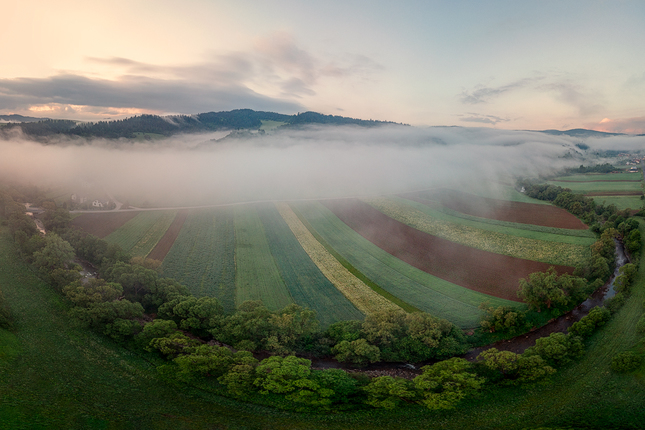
x=514 y=246
x=362 y=296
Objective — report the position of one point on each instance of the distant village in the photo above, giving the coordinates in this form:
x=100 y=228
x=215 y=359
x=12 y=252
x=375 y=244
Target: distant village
x=77 y=201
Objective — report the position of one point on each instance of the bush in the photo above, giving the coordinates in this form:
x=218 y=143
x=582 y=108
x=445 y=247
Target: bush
x=587 y=325
x=557 y=349
x=640 y=325
x=626 y=362
x=615 y=303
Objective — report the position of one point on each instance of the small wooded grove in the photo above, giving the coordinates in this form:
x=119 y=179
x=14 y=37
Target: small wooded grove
x=130 y=302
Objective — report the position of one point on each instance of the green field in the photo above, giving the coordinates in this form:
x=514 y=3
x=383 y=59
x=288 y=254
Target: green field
x=306 y=283
x=505 y=192
x=602 y=177
x=256 y=274
x=268 y=125
x=621 y=202
x=140 y=235
x=599 y=187
x=203 y=256
x=515 y=242
x=414 y=286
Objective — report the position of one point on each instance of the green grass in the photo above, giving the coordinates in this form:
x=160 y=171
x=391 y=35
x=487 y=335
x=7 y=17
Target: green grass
x=306 y=283
x=602 y=177
x=416 y=287
x=140 y=235
x=621 y=202
x=529 y=245
x=256 y=274
x=598 y=187
x=203 y=255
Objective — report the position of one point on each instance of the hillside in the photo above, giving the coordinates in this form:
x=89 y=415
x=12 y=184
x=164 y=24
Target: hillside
x=239 y=119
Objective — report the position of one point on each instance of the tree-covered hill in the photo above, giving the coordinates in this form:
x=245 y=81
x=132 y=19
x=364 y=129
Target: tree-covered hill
x=174 y=124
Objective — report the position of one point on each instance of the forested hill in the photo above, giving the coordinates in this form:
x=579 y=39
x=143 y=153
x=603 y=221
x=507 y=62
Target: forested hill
x=169 y=125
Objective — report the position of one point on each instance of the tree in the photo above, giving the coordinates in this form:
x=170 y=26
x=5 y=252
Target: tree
x=358 y=352
x=387 y=392
x=513 y=368
x=93 y=291
x=547 y=289
x=557 y=348
x=501 y=319
x=444 y=384
x=345 y=330
x=383 y=327
x=192 y=313
x=56 y=254
x=211 y=360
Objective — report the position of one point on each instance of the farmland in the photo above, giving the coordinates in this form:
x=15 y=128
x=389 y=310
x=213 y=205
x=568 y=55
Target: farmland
x=349 y=285
x=257 y=276
x=501 y=241
x=102 y=224
x=426 y=292
x=140 y=235
x=624 y=190
x=517 y=212
x=308 y=282
x=472 y=268
x=203 y=255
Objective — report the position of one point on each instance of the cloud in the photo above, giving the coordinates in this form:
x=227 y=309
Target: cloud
x=634 y=125
x=574 y=94
x=273 y=75
x=483 y=119
x=311 y=163
x=483 y=94
x=138 y=92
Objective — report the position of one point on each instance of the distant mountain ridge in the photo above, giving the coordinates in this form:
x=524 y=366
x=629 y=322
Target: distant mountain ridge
x=20 y=118
x=173 y=124
x=581 y=132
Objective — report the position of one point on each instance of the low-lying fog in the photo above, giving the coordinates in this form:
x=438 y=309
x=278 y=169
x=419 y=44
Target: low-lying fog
x=317 y=162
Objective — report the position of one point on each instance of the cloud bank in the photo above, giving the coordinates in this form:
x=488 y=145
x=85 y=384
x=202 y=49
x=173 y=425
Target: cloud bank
x=313 y=163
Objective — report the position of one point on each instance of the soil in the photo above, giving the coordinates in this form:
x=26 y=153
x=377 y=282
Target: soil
x=486 y=272
x=102 y=224
x=502 y=210
x=168 y=239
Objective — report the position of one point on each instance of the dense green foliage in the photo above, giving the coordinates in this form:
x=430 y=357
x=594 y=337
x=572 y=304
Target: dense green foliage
x=169 y=125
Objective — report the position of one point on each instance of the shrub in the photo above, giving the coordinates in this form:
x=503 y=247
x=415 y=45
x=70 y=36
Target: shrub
x=626 y=362
x=640 y=325
x=557 y=349
x=615 y=303
x=586 y=326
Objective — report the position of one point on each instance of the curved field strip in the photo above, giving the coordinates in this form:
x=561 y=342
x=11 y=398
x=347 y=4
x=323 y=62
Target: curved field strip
x=428 y=293
x=621 y=202
x=492 y=241
x=102 y=224
x=256 y=275
x=597 y=187
x=139 y=235
x=436 y=210
x=529 y=231
x=518 y=212
x=472 y=268
x=203 y=256
x=362 y=296
x=306 y=283
x=603 y=177
x=506 y=192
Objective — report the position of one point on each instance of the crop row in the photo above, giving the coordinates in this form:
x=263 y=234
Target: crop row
x=257 y=276
x=203 y=255
x=427 y=292
x=306 y=283
x=487 y=240
x=361 y=295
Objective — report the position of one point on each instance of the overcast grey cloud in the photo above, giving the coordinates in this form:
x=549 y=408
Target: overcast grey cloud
x=181 y=96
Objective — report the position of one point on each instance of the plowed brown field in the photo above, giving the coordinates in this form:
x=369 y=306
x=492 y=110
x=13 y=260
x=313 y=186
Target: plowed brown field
x=502 y=210
x=482 y=271
x=102 y=224
x=165 y=243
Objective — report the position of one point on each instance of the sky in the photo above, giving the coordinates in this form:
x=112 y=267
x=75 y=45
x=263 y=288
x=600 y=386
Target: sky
x=519 y=65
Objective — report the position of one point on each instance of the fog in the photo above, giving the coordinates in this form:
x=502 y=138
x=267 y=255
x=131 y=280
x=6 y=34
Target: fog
x=311 y=163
